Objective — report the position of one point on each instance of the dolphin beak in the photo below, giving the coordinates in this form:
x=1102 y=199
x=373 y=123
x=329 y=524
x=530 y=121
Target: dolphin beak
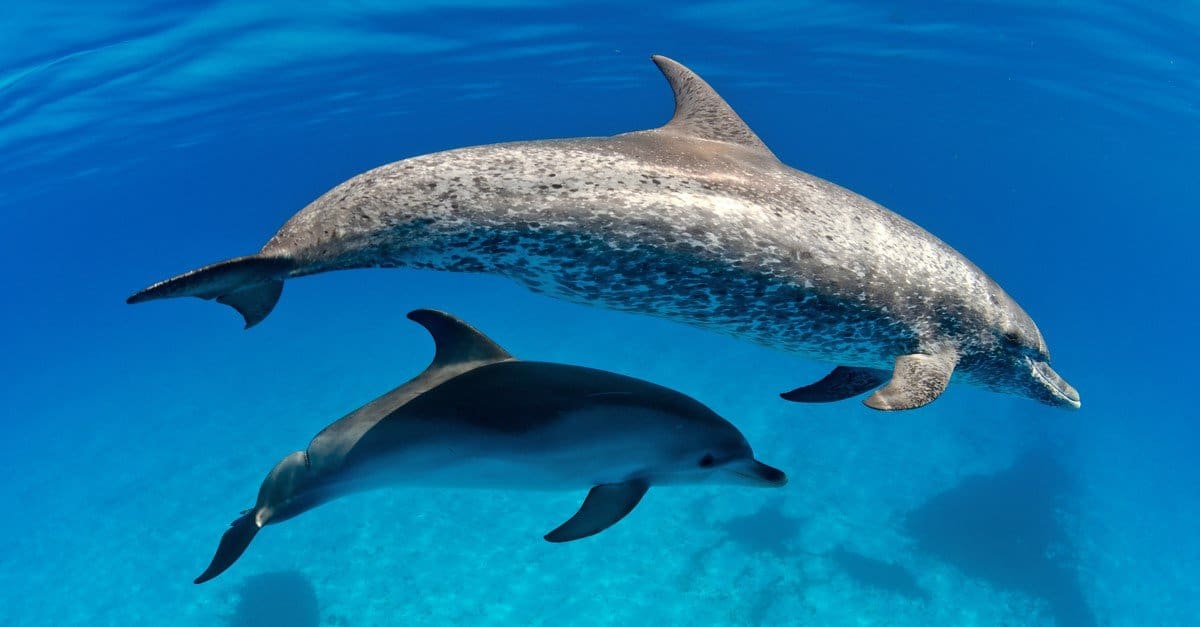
x=1059 y=392
x=755 y=473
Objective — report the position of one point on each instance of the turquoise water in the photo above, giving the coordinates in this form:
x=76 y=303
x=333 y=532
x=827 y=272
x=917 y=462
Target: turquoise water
x=1054 y=146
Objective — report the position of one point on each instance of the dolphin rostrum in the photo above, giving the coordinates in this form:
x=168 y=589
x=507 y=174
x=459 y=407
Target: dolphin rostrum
x=477 y=417
x=696 y=221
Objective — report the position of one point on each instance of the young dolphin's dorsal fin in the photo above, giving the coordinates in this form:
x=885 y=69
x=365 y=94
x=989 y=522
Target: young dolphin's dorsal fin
x=456 y=342
x=702 y=113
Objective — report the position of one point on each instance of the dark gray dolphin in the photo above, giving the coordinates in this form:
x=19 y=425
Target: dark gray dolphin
x=477 y=417
x=696 y=221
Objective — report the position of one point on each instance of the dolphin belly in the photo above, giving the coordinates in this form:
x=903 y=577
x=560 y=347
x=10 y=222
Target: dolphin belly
x=668 y=278
x=770 y=311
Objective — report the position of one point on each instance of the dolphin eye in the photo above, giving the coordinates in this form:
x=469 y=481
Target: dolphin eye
x=707 y=461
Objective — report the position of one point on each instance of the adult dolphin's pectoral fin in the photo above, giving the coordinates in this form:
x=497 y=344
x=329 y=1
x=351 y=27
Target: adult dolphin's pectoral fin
x=232 y=545
x=917 y=380
x=603 y=507
x=843 y=383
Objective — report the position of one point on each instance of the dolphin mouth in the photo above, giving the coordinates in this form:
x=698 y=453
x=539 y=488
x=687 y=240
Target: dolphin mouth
x=1061 y=392
x=756 y=473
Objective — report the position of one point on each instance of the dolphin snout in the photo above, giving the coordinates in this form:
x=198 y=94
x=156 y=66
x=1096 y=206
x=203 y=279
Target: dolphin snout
x=755 y=473
x=1059 y=393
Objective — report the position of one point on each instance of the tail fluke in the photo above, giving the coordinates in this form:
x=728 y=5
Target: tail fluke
x=232 y=545
x=251 y=285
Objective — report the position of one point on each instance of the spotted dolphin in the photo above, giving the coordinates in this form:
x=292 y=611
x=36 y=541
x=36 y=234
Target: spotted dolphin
x=477 y=417
x=696 y=221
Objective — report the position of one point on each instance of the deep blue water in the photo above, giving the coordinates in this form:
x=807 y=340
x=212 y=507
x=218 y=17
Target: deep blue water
x=1055 y=145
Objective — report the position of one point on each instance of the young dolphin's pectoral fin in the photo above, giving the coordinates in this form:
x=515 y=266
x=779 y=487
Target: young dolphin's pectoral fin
x=232 y=545
x=603 y=507
x=844 y=382
x=916 y=381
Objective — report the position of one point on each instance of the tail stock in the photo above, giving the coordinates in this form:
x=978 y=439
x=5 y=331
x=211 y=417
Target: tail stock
x=250 y=284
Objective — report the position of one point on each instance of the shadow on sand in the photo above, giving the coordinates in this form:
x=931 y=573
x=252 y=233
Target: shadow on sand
x=768 y=530
x=284 y=598
x=874 y=573
x=1003 y=528
x=771 y=530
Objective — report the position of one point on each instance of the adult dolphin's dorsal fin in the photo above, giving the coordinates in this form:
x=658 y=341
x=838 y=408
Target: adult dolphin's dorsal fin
x=457 y=342
x=702 y=113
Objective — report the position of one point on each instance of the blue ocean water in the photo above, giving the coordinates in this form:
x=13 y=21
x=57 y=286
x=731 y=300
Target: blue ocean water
x=1055 y=144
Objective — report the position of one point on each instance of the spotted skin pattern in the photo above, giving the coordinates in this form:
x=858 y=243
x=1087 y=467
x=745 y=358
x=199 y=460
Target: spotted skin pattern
x=698 y=231
x=696 y=221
